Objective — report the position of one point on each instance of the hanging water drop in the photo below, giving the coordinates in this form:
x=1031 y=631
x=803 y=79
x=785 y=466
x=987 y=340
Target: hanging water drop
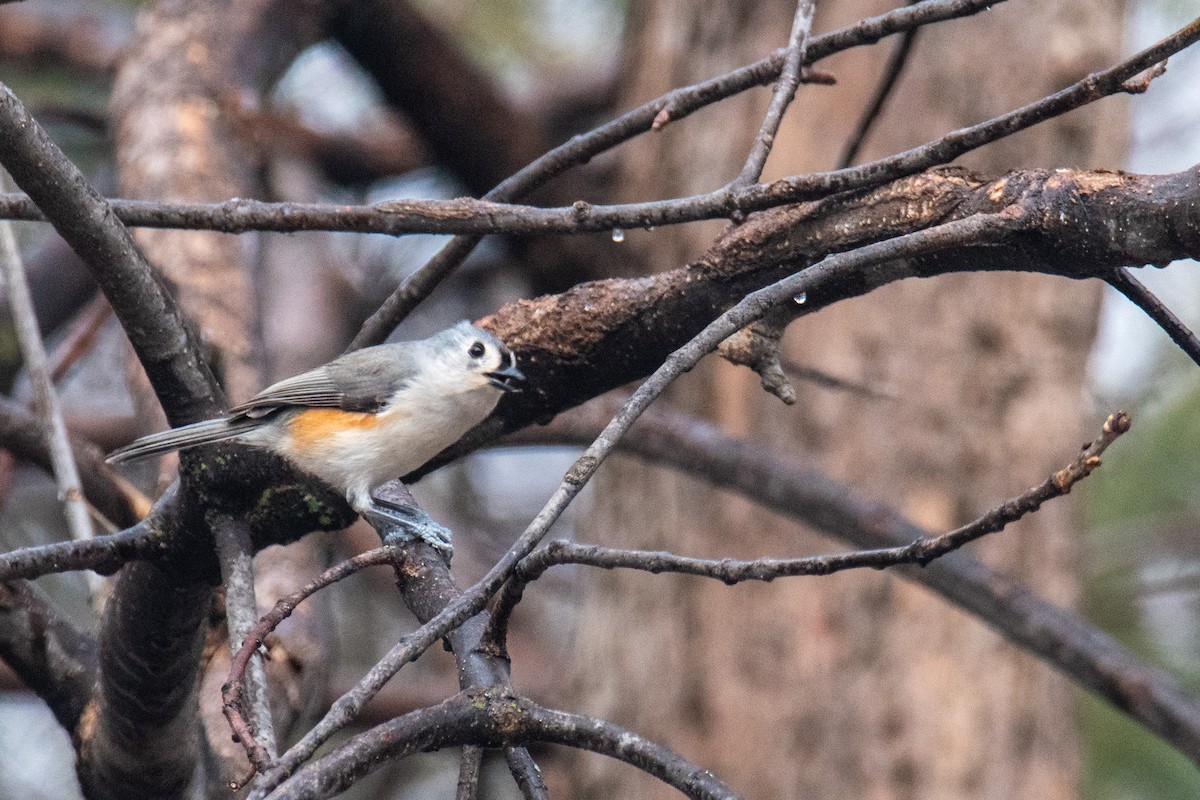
x=618 y=235
x=801 y=298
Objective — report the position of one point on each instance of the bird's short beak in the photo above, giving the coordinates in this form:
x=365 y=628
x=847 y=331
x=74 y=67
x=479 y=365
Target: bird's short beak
x=507 y=378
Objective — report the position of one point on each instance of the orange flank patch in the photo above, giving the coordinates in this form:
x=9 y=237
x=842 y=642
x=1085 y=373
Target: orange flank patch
x=317 y=424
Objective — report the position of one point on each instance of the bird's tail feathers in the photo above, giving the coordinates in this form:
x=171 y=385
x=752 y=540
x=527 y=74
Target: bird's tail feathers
x=206 y=432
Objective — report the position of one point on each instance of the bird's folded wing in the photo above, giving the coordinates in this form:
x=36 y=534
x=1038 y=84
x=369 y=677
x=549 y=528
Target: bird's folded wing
x=313 y=389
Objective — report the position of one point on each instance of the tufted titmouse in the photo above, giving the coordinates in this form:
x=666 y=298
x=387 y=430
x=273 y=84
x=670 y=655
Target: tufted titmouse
x=365 y=417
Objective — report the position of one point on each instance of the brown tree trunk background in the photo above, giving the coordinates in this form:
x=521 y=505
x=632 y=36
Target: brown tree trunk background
x=858 y=685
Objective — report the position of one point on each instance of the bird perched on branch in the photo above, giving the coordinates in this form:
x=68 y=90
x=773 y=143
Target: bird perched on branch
x=366 y=417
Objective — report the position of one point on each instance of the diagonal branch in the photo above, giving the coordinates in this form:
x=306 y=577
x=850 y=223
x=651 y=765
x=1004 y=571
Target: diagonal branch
x=891 y=77
x=920 y=552
x=977 y=229
x=462 y=116
x=781 y=98
x=163 y=342
x=33 y=350
x=21 y=435
x=494 y=718
x=1124 y=282
x=52 y=657
x=1092 y=659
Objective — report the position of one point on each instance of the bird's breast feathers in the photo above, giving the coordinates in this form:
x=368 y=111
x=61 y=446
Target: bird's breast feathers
x=349 y=447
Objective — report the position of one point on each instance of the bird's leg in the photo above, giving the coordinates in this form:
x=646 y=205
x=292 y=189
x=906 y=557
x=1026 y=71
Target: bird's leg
x=396 y=516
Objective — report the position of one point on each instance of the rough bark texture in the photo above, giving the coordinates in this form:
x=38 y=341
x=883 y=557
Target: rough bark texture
x=174 y=108
x=859 y=686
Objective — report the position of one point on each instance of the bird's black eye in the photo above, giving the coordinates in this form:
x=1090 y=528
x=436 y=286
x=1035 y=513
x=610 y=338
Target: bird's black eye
x=476 y=350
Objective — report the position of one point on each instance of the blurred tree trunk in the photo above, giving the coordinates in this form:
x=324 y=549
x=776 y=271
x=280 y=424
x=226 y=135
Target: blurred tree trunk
x=858 y=685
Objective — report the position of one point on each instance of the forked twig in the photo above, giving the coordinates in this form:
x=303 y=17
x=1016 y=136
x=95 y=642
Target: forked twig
x=731 y=571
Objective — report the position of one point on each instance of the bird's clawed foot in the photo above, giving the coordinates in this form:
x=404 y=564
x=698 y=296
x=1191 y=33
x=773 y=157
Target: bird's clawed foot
x=404 y=522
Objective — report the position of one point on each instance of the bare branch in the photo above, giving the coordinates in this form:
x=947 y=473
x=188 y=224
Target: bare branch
x=1080 y=651
x=785 y=92
x=103 y=555
x=468 y=773
x=80 y=338
x=526 y=773
x=1124 y=282
x=235 y=552
x=494 y=718
x=50 y=655
x=463 y=117
x=234 y=691
x=155 y=325
x=21 y=435
x=649 y=116
x=920 y=551
x=465 y=216
x=145 y=699
x=33 y=351
x=891 y=77
x=754 y=305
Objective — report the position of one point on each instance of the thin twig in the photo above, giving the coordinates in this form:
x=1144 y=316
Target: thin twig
x=33 y=351
x=235 y=553
x=781 y=98
x=1124 y=282
x=526 y=773
x=81 y=337
x=891 y=77
x=468 y=772
x=233 y=692
x=474 y=217
x=819 y=377
x=487 y=216
x=731 y=571
x=103 y=555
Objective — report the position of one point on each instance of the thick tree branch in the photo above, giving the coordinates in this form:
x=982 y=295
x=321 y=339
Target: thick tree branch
x=52 y=657
x=468 y=773
x=983 y=228
x=649 y=116
x=139 y=736
x=601 y=335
